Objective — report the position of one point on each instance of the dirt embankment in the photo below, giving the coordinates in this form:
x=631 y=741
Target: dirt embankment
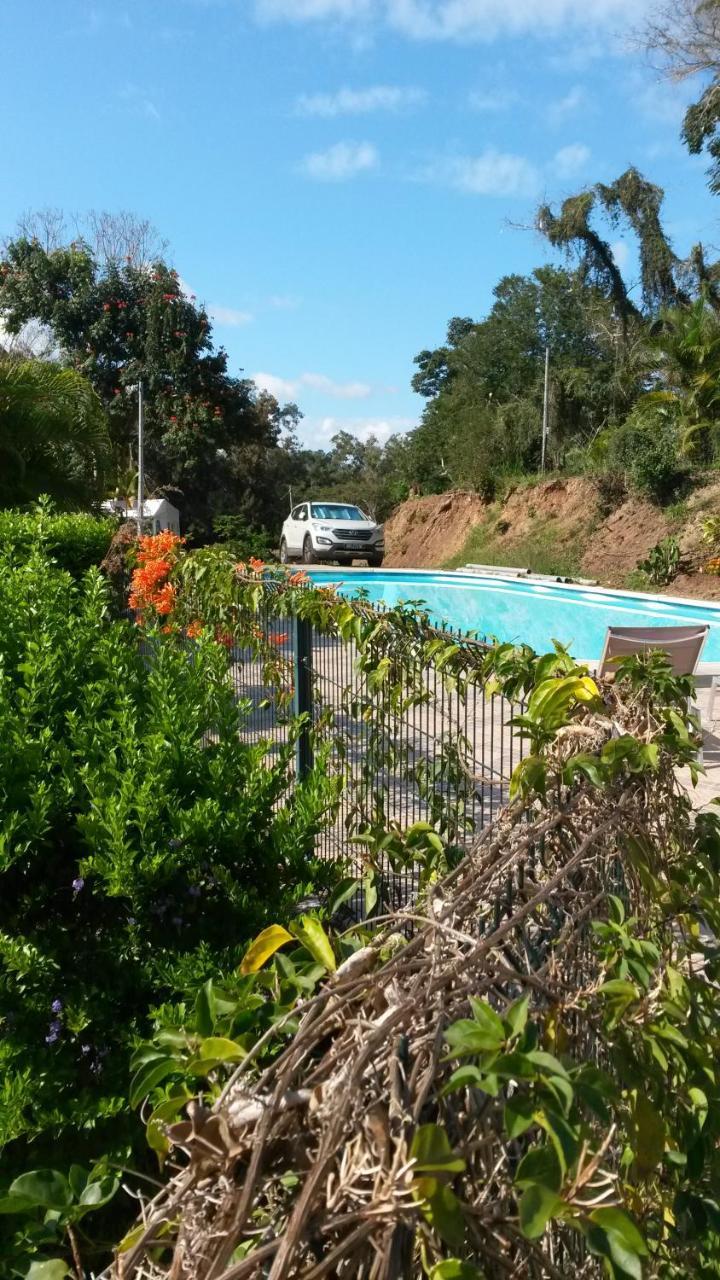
x=424 y=533
x=558 y=525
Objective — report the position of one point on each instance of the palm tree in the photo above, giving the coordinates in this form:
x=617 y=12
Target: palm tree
x=53 y=434
x=685 y=365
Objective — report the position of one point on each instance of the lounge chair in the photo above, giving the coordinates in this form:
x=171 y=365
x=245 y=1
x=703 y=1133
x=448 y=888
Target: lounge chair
x=682 y=645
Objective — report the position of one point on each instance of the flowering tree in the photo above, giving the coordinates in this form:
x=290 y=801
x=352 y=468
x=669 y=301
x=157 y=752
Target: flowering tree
x=118 y=322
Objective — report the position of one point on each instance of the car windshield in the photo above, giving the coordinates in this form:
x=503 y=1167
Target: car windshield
x=336 y=511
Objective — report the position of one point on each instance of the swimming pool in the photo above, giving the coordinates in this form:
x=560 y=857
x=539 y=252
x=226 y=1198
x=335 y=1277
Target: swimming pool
x=525 y=610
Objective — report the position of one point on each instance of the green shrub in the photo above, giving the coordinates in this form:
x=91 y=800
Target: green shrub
x=242 y=539
x=646 y=451
x=662 y=563
x=74 y=540
x=143 y=840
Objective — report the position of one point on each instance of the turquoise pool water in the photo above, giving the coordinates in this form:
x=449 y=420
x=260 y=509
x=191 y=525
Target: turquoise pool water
x=520 y=609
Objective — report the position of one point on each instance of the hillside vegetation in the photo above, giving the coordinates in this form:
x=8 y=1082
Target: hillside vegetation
x=561 y=525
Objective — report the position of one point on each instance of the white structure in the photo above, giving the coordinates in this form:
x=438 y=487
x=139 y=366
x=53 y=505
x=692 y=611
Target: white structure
x=158 y=514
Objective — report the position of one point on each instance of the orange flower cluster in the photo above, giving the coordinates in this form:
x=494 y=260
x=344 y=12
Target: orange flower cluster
x=195 y=629
x=298 y=579
x=149 y=587
x=712 y=566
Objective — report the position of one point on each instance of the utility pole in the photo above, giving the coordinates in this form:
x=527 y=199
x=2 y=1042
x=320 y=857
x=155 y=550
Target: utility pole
x=545 y=410
x=141 y=460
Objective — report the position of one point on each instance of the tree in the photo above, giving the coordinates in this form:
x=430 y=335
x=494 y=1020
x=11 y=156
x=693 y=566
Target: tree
x=485 y=413
x=118 y=322
x=684 y=37
x=664 y=277
x=53 y=434
x=684 y=367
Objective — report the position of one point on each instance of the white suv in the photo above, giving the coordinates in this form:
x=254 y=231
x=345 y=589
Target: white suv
x=317 y=531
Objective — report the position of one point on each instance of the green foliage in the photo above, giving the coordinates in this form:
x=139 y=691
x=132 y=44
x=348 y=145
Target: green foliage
x=74 y=541
x=663 y=562
x=645 y=450
x=241 y=539
x=53 y=434
x=143 y=840
x=120 y=321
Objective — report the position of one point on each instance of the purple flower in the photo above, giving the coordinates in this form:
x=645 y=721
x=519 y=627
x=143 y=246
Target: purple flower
x=56 y=1006
x=78 y=885
x=53 y=1032
x=56 y=1026
x=51 y=1038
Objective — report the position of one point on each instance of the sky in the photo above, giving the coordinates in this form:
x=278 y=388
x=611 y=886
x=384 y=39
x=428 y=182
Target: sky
x=338 y=178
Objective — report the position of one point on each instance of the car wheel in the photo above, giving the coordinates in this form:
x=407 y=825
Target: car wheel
x=375 y=561
x=284 y=557
x=309 y=556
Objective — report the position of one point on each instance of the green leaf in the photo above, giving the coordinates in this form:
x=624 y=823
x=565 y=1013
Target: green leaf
x=519 y=1115
x=263 y=947
x=649 y=1135
x=100 y=1192
x=537 y=1206
x=517 y=1016
x=44 y=1187
x=467 y=1077
x=467 y=1036
x=488 y=1019
x=17 y=1204
x=442 y=1210
x=700 y=1104
x=540 y=1165
x=453 y=1269
x=563 y=1136
x=150 y=1074
x=621 y=1224
x=546 y=1062
x=313 y=937
x=53 y=1269
x=345 y=890
x=432 y=1152
x=205 y=1009
x=212 y=1052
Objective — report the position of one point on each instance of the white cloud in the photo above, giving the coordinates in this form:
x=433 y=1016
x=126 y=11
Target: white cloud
x=284 y=302
x=493 y=173
x=289 y=388
x=660 y=100
x=139 y=102
x=621 y=253
x=354 y=102
x=461 y=20
x=558 y=111
x=317 y=433
x=570 y=160
x=492 y=100
x=229 y=315
x=340 y=162
x=221 y=315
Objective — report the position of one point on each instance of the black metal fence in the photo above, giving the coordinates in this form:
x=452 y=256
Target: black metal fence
x=444 y=755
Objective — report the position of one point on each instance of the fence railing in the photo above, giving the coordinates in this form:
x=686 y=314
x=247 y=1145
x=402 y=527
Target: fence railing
x=442 y=753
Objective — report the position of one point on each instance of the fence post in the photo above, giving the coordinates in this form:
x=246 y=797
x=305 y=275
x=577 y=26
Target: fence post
x=303 y=697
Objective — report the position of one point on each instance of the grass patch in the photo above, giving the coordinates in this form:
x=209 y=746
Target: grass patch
x=538 y=551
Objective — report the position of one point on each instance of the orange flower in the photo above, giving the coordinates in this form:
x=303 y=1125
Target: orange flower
x=280 y=639
x=240 y=567
x=256 y=565
x=195 y=629
x=297 y=579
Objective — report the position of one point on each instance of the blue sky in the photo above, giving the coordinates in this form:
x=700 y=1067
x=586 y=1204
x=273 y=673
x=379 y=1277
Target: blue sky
x=337 y=178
